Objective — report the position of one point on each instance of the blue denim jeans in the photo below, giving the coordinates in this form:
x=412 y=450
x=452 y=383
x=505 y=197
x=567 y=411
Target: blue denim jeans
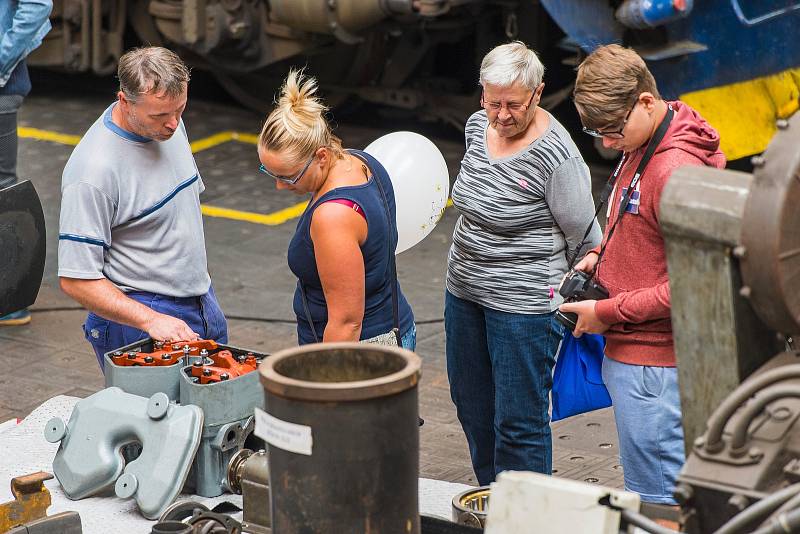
x=202 y=314
x=409 y=339
x=500 y=369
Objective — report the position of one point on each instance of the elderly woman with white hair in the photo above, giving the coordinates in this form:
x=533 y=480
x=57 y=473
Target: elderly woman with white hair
x=524 y=194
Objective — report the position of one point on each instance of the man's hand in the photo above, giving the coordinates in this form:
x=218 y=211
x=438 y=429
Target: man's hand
x=588 y=322
x=588 y=263
x=165 y=328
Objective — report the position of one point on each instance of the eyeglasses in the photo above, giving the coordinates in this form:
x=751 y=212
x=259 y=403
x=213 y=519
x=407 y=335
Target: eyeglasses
x=512 y=107
x=616 y=134
x=291 y=180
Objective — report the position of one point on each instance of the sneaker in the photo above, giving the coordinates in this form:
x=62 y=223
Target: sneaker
x=16 y=318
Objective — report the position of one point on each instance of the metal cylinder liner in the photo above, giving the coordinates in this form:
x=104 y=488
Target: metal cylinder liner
x=360 y=403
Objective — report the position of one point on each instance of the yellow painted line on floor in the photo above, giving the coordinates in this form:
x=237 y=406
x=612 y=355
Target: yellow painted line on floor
x=270 y=219
x=46 y=135
x=222 y=137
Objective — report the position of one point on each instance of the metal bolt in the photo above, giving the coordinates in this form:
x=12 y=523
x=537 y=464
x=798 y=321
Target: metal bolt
x=159 y=344
x=745 y=291
x=165 y=356
x=739 y=251
x=148 y=359
x=758 y=161
x=118 y=353
x=131 y=355
x=176 y=347
x=241 y=358
x=782 y=124
x=206 y=372
x=224 y=376
x=198 y=363
x=203 y=353
x=738 y=502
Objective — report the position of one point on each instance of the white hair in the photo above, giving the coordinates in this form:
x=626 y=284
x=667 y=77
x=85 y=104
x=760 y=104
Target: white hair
x=509 y=63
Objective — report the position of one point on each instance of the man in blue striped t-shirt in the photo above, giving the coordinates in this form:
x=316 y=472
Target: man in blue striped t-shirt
x=131 y=244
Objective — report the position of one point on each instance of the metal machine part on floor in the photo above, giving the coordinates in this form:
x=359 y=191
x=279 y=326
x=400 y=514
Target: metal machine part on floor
x=733 y=249
x=219 y=379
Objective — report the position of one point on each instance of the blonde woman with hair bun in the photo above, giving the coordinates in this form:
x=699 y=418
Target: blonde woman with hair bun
x=342 y=251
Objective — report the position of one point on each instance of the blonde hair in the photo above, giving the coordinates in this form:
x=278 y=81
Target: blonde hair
x=509 y=63
x=297 y=126
x=151 y=69
x=609 y=82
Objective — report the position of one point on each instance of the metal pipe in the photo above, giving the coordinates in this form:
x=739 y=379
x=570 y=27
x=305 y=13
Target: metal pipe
x=720 y=417
x=756 y=406
x=747 y=21
x=752 y=513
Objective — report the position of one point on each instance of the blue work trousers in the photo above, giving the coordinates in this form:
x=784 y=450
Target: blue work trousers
x=202 y=314
x=500 y=370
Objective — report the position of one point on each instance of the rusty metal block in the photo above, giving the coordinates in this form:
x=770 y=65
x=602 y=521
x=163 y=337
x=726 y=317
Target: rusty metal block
x=31 y=500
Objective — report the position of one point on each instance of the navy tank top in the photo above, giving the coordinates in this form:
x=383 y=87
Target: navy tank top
x=381 y=237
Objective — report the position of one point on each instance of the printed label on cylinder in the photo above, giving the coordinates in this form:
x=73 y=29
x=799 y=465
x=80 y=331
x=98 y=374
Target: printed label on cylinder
x=283 y=434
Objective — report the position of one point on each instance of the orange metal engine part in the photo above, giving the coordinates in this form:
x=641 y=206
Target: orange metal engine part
x=165 y=353
x=226 y=366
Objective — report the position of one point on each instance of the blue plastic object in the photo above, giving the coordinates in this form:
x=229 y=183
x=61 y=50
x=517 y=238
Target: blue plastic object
x=643 y=14
x=577 y=380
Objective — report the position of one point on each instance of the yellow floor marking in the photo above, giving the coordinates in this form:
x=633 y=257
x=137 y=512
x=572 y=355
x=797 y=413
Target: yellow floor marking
x=270 y=219
x=45 y=135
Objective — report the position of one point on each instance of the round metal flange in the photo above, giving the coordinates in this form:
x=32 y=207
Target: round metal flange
x=171 y=527
x=158 y=405
x=55 y=430
x=770 y=236
x=126 y=486
x=210 y=521
x=470 y=507
x=181 y=510
x=235 y=467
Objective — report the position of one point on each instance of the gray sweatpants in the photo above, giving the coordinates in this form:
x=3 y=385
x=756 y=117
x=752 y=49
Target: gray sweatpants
x=9 y=106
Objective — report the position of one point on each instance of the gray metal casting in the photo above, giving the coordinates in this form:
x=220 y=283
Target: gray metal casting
x=719 y=339
x=228 y=408
x=89 y=458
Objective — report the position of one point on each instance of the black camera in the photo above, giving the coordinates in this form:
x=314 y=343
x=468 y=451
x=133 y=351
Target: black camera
x=577 y=286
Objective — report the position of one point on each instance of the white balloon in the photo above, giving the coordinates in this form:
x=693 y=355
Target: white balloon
x=420 y=181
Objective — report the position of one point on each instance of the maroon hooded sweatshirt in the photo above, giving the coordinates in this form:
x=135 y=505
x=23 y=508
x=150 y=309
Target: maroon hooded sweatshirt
x=634 y=266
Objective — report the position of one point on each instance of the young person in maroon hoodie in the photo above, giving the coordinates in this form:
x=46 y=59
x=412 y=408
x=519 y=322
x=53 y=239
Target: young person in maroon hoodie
x=618 y=101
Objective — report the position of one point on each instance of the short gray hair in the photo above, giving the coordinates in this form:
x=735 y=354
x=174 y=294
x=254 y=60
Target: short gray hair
x=151 y=69
x=509 y=63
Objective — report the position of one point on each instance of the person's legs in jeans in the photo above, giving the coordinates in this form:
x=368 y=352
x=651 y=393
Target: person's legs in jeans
x=9 y=105
x=523 y=349
x=648 y=415
x=469 y=371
